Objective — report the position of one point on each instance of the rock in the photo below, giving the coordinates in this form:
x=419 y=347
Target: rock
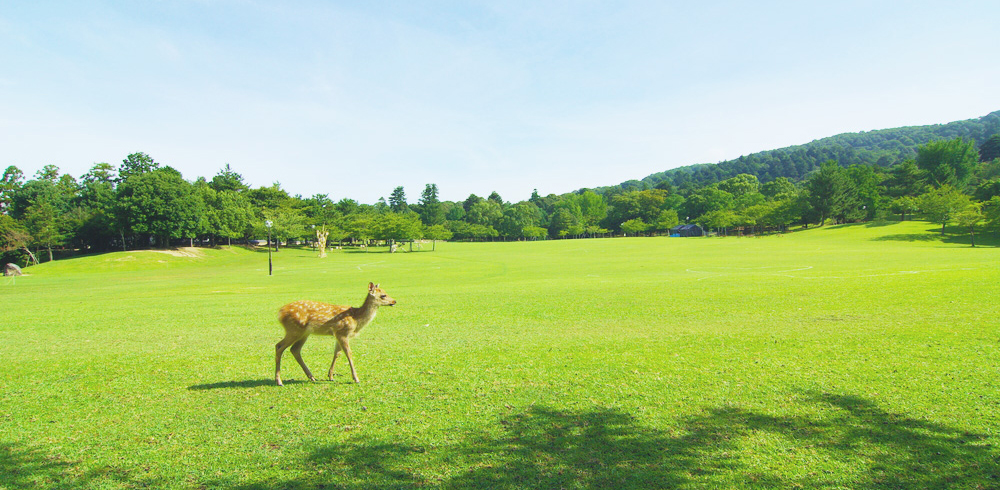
x=11 y=269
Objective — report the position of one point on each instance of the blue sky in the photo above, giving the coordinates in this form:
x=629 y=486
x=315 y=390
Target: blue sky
x=354 y=98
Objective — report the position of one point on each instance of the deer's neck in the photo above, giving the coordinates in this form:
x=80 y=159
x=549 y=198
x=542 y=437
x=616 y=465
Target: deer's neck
x=365 y=313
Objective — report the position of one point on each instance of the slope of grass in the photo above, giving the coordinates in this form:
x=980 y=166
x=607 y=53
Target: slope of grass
x=853 y=356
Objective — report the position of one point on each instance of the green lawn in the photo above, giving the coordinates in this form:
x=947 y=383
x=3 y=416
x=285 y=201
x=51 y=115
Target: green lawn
x=839 y=357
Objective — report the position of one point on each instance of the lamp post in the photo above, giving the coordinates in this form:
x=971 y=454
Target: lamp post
x=268 y=224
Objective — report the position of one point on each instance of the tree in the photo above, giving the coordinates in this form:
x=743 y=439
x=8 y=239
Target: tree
x=719 y=219
x=827 y=190
x=136 y=164
x=10 y=182
x=517 y=218
x=970 y=218
x=634 y=227
x=740 y=185
x=104 y=173
x=397 y=201
x=228 y=180
x=286 y=223
x=396 y=227
x=233 y=215
x=904 y=205
x=484 y=212
x=777 y=188
x=45 y=225
x=437 y=232
x=95 y=202
x=707 y=200
x=160 y=203
x=906 y=179
x=990 y=149
x=496 y=198
x=667 y=220
x=430 y=206
x=942 y=204
x=948 y=162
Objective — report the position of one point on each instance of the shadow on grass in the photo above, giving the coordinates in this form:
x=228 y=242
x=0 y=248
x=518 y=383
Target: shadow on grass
x=952 y=235
x=845 y=441
x=25 y=467
x=250 y=383
x=855 y=444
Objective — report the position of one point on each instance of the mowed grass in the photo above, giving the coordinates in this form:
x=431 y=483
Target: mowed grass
x=839 y=357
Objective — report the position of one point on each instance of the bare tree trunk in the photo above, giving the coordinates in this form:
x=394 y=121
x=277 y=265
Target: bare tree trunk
x=34 y=259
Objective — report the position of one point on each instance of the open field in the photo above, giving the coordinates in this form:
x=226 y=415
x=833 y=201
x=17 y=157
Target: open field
x=841 y=357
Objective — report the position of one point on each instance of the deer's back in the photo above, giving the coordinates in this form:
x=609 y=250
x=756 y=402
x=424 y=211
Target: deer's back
x=311 y=315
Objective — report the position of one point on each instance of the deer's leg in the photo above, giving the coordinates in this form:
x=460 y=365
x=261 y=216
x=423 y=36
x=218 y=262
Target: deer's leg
x=336 y=352
x=342 y=341
x=279 y=349
x=297 y=352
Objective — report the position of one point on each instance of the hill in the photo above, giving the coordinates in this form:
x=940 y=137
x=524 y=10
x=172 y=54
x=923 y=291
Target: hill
x=885 y=148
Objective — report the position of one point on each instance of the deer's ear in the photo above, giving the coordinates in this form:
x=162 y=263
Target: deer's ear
x=371 y=286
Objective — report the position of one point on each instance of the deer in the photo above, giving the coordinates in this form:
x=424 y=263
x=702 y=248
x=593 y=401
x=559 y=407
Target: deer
x=304 y=318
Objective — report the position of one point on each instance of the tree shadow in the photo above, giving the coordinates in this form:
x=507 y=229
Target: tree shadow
x=23 y=467
x=909 y=237
x=833 y=441
x=608 y=448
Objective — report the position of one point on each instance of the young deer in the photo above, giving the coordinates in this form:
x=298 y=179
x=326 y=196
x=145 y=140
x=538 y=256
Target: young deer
x=304 y=318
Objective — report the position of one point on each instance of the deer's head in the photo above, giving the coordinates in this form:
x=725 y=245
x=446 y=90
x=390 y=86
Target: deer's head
x=379 y=295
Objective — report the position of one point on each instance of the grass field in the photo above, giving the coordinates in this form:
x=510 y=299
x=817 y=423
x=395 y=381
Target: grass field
x=840 y=357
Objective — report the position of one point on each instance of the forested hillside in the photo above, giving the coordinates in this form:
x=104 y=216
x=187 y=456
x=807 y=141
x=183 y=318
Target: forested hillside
x=883 y=148
x=949 y=174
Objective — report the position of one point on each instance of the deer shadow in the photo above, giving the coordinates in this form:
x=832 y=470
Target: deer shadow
x=250 y=383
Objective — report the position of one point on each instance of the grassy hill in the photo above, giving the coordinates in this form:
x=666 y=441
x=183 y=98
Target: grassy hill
x=854 y=356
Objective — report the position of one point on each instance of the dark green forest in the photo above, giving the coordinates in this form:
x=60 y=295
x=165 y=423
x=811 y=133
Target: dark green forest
x=948 y=174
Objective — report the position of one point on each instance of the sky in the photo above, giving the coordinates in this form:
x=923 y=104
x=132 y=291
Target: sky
x=354 y=98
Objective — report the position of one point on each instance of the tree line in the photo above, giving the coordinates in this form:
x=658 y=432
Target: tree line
x=141 y=204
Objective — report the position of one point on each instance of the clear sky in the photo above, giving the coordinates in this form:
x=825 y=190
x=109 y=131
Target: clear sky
x=354 y=98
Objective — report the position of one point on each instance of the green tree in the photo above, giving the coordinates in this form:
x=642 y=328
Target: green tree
x=496 y=198
x=740 y=185
x=970 y=218
x=668 y=219
x=719 y=219
x=906 y=179
x=948 y=162
x=136 y=164
x=286 y=223
x=430 y=206
x=990 y=149
x=634 y=227
x=44 y=223
x=96 y=204
x=707 y=200
x=397 y=200
x=10 y=182
x=228 y=180
x=161 y=204
x=437 y=232
x=777 y=188
x=941 y=205
x=485 y=213
x=518 y=218
x=397 y=227
x=827 y=190
x=233 y=215
x=905 y=205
